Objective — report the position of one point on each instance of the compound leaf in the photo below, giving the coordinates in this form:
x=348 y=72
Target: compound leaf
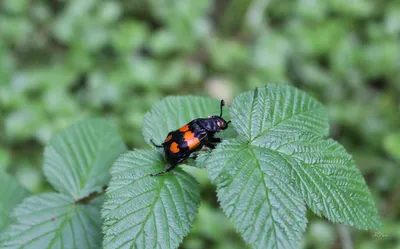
x=142 y=211
x=51 y=221
x=78 y=159
x=11 y=194
x=280 y=160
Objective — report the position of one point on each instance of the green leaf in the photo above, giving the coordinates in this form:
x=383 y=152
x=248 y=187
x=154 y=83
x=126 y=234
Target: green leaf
x=281 y=161
x=327 y=178
x=148 y=212
x=277 y=108
x=173 y=112
x=11 y=194
x=52 y=221
x=78 y=159
x=256 y=194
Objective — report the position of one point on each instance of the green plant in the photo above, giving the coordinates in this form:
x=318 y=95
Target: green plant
x=274 y=162
x=77 y=162
x=11 y=194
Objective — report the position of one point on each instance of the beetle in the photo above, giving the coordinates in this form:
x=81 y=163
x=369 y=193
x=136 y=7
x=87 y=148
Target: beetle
x=181 y=143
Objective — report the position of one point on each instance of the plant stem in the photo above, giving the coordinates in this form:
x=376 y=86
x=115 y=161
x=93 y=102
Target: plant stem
x=91 y=196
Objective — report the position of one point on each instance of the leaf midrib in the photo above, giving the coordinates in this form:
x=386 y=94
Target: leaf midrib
x=82 y=181
x=41 y=223
x=94 y=160
x=298 y=167
x=151 y=209
x=60 y=228
x=148 y=215
x=266 y=192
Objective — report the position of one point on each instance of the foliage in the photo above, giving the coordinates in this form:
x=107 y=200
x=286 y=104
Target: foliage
x=148 y=212
x=77 y=160
x=11 y=194
x=53 y=220
x=279 y=162
x=76 y=164
x=154 y=212
x=62 y=61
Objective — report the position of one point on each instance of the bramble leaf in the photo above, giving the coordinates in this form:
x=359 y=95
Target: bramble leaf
x=256 y=194
x=327 y=178
x=77 y=160
x=53 y=221
x=11 y=194
x=142 y=211
x=280 y=161
x=277 y=108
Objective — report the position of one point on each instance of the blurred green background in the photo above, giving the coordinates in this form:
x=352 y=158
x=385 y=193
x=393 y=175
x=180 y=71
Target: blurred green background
x=62 y=61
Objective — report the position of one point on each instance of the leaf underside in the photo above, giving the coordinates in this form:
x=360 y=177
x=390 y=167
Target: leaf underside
x=51 y=221
x=148 y=212
x=282 y=161
x=77 y=160
x=11 y=194
x=77 y=163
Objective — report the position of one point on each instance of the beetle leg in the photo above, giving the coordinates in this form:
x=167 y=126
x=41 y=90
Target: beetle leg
x=215 y=140
x=171 y=167
x=158 y=146
x=209 y=145
x=212 y=139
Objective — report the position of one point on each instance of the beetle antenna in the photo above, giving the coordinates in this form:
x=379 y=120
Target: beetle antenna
x=222 y=104
x=156 y=145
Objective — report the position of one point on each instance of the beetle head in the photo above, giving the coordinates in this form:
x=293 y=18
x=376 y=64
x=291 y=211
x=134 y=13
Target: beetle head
x=221 y=123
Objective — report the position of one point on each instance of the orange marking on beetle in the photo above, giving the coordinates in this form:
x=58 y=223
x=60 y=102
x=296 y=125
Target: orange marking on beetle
x=184 y=128
x=191 y=140
x=168 y=138
x=174 y=147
